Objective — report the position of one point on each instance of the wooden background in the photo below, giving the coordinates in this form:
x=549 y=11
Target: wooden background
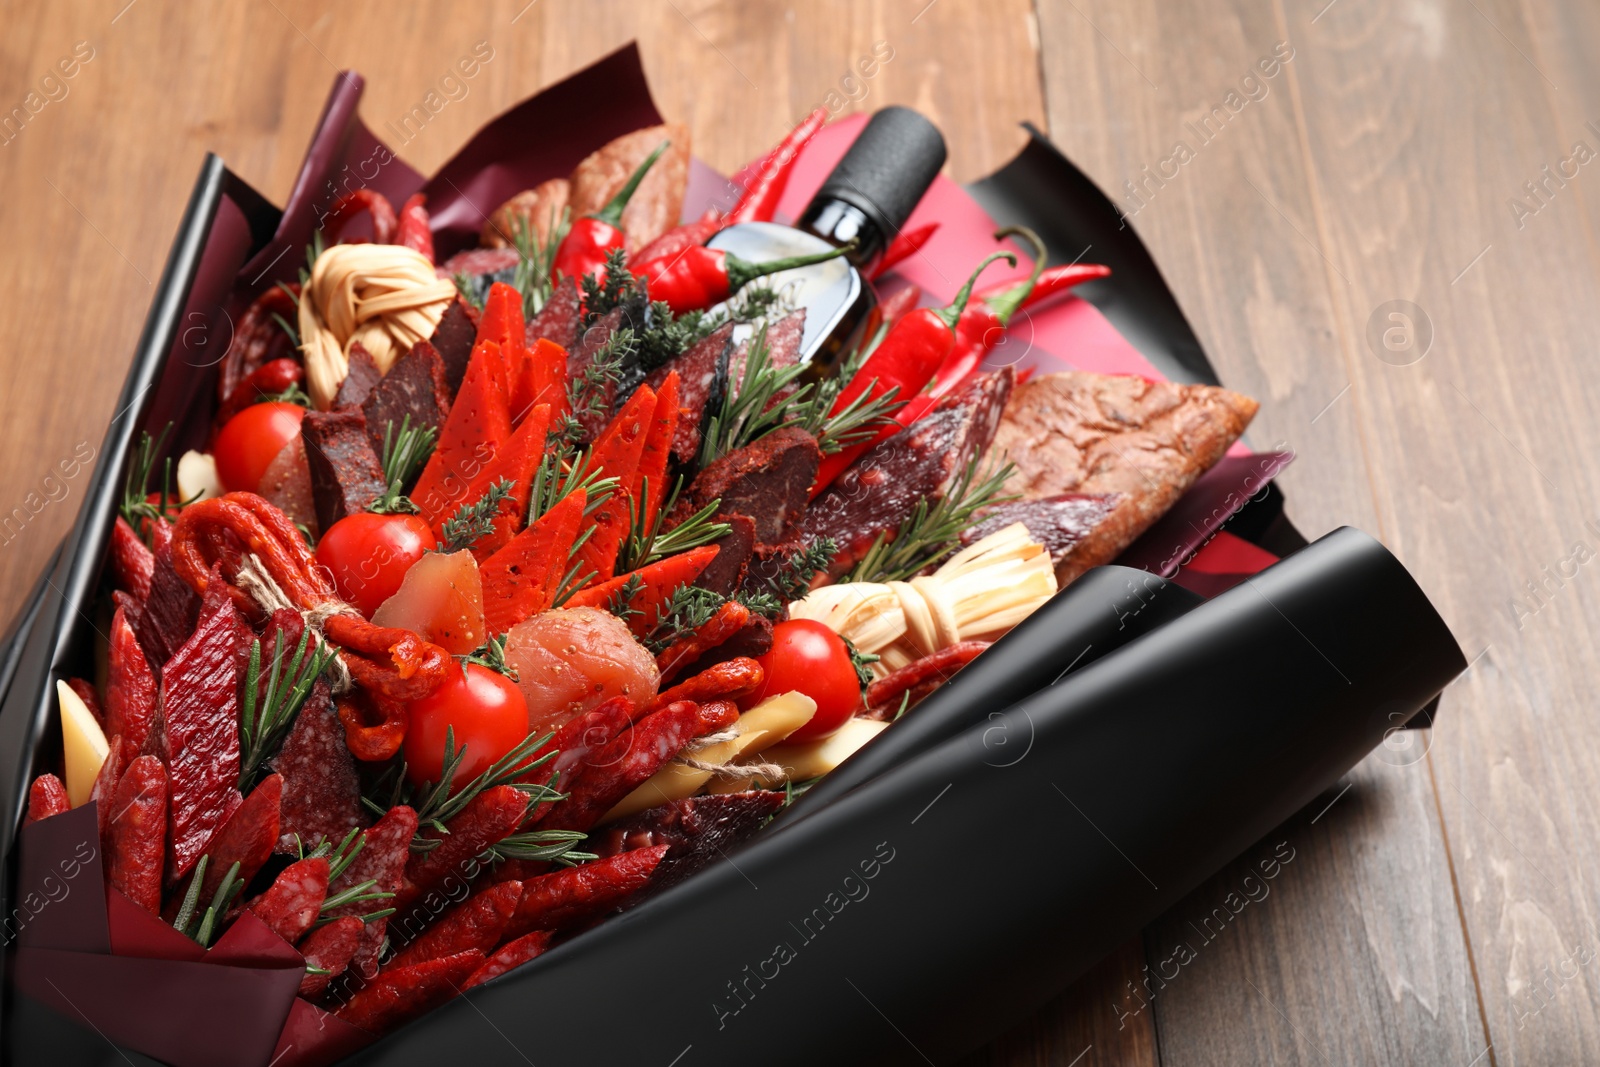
x=1440 y=907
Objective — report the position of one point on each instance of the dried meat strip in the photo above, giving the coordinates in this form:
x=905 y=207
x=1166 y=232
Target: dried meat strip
x=487 y=819
x=170 y=608
x=615 y=769
x=46 y=797
x=476 y=924
x=768 y=480
x=698 y=829
x=403 y=993
x=138 y=829
x=453 y=339
x=248 y=838
x=561 y=317
x=321 y=793
x=415 y=392
x=362 y=378
x=132 y=562
x=130 y=685
x=510 y=956
x=702 y=382
x=382 y=859
x=346 y=475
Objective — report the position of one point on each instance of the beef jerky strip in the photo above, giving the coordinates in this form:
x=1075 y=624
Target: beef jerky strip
x=346 y=475
x=248 y=838
x=200 y=709
x=702 y=383
x=46 y=797
x=415 y=389
x=294 y=900
x=382 y=859
x=477 y=269
x=510 y=956
x=453 y=339
x=561 y=317
x=563 y=899
x=698 y=829
x=615 y=769
x=130 y=685
x=171 y=607
x=321 y=793
x=104 y=792
x=358 y=384
x=768 y=480
x=403 y=993
x=132 y=562
x=329 y=949
x=138 y=830
x=476 y=924
x=726 y=570
x=922 y=462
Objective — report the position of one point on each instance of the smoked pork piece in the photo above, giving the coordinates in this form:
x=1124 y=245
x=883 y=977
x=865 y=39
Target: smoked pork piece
x=881 y=488
x=560 y=318
x=453 y=338
x=658 y=202
x=702 y=381
x=345 y=473
x=358 y=384
x=415 y=386
x=540 y=208
x=724 y=573
x=1059 y=523
x=1077 y=432
x=699 y=829
x=768 y=480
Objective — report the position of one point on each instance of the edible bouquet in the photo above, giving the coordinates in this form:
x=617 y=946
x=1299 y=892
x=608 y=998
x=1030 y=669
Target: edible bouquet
x=555 y=535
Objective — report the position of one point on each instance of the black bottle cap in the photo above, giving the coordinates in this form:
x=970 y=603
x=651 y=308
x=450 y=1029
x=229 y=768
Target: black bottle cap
x=887 y=169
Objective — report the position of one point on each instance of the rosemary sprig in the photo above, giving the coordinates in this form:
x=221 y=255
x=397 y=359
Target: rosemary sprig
x=748 y=411
x=534 y=260
x=202 y=927
x=576 y=578
x=551 y=846
x=476 y=520
x=931 y=530
x=339 y=856
x=436 y=803
x=492 y=654
x=136 y=507
x=406 y=450
x=642 y=546
x=467 y=290
x=286 y=326
x=360 y=893
x=686 y=610
x=267 y=715
x=561 y=472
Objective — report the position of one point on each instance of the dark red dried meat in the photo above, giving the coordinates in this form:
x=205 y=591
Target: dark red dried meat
x=248 y=838
x=400 y=994
x=415 y=389
x=130 y=685
x=170 y=608
x=1057 y=522
x=486 y=820
x=453 y=339
x=612 y=771
x=510 y=956
x=358 y=384
x=702 y=381
x=46 y=797
x=91 y=698
x=345 y=473
x=908 y=686
x=920 y=463
x=750 y=641
x=137 y=831
x=698 y=829
x=387 y=844
x=292 y=903
x=132 y=562
x=104 y=793
x=200 y=708
x=783 y=349
x=321 y=793
x=726 y=570
x=581 y=356
x=768 y=480
x=566 y=898
x=330 y=949
x=560 y=318
x=476 y=924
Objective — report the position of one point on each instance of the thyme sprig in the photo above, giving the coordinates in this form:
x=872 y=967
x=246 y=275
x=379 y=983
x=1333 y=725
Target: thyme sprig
x=405 y=452
x=686 y=610
x=752 y=407
x=476 y=520
x=267 y=714
x=643 y=546
x=931 y=530
x=620 y=603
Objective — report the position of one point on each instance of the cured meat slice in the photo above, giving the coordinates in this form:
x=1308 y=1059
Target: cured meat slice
x=698 y=829
x=321 y=793
x=768 y=481
x=137 y=830
x=132 y=562
x=473 y=925
x=345 y=473
x=538 y=208
x=727 y=568
x=294 y=900
x=1077 y=432
x=783 y=349
x=879 y=490
x=200 y=708
x=702 y=382
x=329 y=949
x=1060 y=523
x=581 y=356
x=130 y=685
x=658 y=202
x=561 y=317
x=415 y=388
x=750 y=641
x=385 y=847
x=286 y=485
x=479 y=268
x=453 y=339
x=169 y=609
x=359 y=382
x=403 y=993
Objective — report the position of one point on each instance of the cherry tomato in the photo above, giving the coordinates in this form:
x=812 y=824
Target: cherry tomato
x=482 y=708
x=368 y=555
x=251 y=440
x=808 y=657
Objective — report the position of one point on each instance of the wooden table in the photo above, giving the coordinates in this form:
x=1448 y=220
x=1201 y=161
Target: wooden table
x=1440 y=905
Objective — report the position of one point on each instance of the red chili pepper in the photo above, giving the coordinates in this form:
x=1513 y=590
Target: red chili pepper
x=684 y=236
x=698 y=277
x=905 y=362
x=270 y=379
x=903 y=247
x=354 y=203
x=983 y=324
x=760 y=200
x=415 y=232
x=583 y=251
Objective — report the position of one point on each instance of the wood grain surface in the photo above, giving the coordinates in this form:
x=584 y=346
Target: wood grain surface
x=1380 y=219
